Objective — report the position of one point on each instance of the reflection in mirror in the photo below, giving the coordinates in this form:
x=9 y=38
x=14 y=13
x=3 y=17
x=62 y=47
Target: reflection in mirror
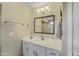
x=44 y=25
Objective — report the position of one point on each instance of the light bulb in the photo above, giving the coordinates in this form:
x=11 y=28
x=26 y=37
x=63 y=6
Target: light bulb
x=38 y=10
x=42 y=9
x=47 y=7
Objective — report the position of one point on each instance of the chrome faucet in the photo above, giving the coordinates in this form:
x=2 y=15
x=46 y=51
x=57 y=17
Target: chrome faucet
x=42 y=37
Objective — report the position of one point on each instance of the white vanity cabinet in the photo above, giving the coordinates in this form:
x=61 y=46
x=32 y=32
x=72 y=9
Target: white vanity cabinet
x=31 y=49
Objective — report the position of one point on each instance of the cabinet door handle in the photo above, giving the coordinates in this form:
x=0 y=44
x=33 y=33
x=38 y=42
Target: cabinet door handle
x=52 y=53
x=27 y=49
x=34 y=53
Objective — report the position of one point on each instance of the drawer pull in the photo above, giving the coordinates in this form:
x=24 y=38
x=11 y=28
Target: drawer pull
x=34 y=53
x=52 y=53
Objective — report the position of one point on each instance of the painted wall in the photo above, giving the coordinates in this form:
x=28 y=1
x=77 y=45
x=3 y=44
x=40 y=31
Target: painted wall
x=0 y=29
x=54 y=10
x=13 y=33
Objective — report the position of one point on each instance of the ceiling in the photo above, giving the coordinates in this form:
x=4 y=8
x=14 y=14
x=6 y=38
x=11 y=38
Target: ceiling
x=35 y=4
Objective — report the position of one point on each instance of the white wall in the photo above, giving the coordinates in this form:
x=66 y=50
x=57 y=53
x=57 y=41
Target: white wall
x=17 y=12
x=0 y=29
x=54 y=10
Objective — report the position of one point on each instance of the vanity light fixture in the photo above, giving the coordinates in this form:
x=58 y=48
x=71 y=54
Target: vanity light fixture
x=43 y=10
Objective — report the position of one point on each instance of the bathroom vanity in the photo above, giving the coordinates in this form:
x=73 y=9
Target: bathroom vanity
x=36 y=47
x=43 y=46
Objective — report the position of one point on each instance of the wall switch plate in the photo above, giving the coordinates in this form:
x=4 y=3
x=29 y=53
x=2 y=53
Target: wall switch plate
x=11 y=33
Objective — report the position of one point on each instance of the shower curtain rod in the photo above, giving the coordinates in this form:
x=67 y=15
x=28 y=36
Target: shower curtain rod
x=13 y=22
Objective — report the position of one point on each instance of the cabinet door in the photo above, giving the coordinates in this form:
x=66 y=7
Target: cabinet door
x=25 y=48
x=31 y=50
x=50 y=52
x=35 y=50
x=40 y=51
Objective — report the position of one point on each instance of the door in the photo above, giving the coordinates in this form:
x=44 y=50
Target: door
x=76 y=28
x=40 y=51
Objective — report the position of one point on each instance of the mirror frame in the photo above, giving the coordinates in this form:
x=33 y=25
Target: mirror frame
x=45 y=17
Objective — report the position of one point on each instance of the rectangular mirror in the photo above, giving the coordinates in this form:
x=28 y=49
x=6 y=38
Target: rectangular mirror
x=44 y=25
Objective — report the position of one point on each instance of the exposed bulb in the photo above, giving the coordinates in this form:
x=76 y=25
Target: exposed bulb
x=38 y=10
x=47 y=7
x=42 y=9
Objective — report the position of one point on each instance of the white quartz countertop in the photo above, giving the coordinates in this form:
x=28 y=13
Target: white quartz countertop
x=49 y=43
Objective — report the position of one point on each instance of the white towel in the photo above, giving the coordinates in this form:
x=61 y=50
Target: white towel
x=59 y=30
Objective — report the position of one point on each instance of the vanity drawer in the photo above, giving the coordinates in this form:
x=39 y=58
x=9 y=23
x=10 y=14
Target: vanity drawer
x=51 y=52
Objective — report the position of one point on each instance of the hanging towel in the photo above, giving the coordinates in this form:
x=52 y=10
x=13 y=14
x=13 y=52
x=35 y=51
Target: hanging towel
x=59 y=30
